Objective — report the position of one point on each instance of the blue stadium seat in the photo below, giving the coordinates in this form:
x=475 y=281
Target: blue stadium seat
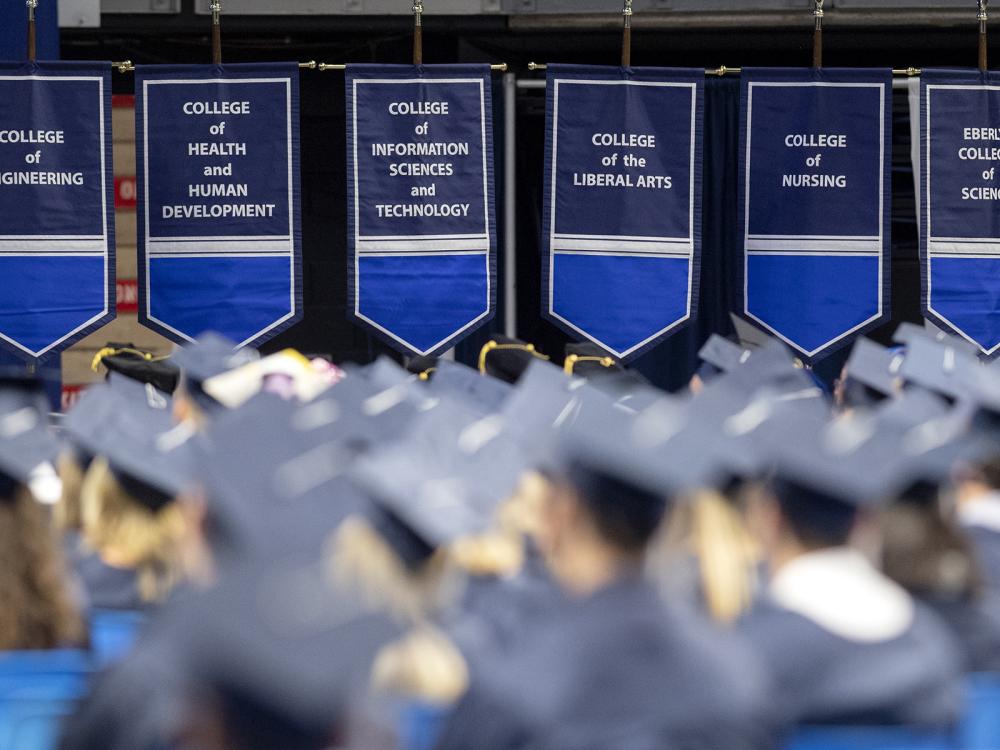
x=869 y=738
x=420 y=726
x=980 y=730
x=37 y=690
x=112 y=633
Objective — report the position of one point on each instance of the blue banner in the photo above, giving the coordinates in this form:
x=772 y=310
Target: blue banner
x=218 y=193
x=422 y=226
x=621 y=234
x=960 y=203
x=814 y=204
x=57 y=223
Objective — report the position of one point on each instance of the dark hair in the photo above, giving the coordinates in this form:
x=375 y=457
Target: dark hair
x=989 y=469
x=925 y=552
x=626 y=516
x=817 y=520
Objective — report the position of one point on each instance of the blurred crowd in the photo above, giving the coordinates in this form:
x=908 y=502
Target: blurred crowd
x=516 y=556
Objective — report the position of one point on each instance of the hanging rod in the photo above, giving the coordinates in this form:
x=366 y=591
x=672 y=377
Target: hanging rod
x=723 y=70
x=499 y=67
x=127 y=66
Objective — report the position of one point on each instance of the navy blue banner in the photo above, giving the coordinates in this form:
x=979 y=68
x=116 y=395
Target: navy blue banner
x=14 y=30
x=814 y=204
x=422 y=226
x=960 y=203
x=218 y=194
x=621 y=237
x=57 y=223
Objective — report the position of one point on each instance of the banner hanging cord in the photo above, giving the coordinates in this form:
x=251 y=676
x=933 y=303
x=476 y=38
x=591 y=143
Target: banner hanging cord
x=983 y=17
x=216 y=8
x=418 y=32
x=818 y=34
x=32 y=45
x=627 y=35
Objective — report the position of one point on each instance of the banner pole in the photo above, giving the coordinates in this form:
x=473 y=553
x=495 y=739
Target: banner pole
x=418 y=32
x=818 y=34
x=627 y=35
x=216 y=8
x=32 y=47
x=983 y=18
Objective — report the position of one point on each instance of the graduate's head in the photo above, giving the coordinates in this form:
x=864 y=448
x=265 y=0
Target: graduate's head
x=595 y=524
x=133 y=525
x=923 y=548
x=811 y=518
x=38 y=611
x=206 y=357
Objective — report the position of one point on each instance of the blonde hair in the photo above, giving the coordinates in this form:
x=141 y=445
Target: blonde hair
x=117 y=524
x=423 y=665
x=68 y=512
x=38 y=611
x=711 y=528
x=360 y=559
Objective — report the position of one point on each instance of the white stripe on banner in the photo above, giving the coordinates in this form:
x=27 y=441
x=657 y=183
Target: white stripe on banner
x=840 y=245
x=423 y=245
x=54 y=246
x=220 y=246
x=973 y=248
x=564 y=244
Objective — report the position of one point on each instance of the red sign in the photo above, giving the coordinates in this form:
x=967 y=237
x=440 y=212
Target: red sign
x=128 y=295
x=124 y=101
x=125 y=192
x=70 y=395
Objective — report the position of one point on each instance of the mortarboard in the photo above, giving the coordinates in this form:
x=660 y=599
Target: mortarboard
x=25 y=442
x=722 y=353
x=384 y=373
x=941 y=367
x=584 y=359
x=875 y=367
x=907 y=333
x=749 y=335
x=285 y=649
x=429 y=487
x=154 y=462
x=207 y=356
x=483 y=392
x=138 y=365
x=507 y=358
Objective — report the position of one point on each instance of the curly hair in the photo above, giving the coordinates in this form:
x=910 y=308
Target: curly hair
x=38 y=610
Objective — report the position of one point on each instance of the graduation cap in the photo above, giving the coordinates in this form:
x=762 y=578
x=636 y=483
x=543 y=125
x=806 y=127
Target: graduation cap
x=486 y=394
x=25 y=442
x=153 y=462
x=586 y=358
x=749 y=335
x=507 y=358
x=254 y=477
x=285 y=649
x=907 y=333
x=941 y=367
x=142 y=366
x=723 y=354
x=26 y=387
x=769 y=367
x=87 y=424
x=384 y=373
x=875 y=369
x=440 y=483
x=423 y=366
x=850 y=460
x=207 y=356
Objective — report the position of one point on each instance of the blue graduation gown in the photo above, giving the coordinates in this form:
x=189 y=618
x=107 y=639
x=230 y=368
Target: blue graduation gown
x=823 y=678
x=617 y=670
